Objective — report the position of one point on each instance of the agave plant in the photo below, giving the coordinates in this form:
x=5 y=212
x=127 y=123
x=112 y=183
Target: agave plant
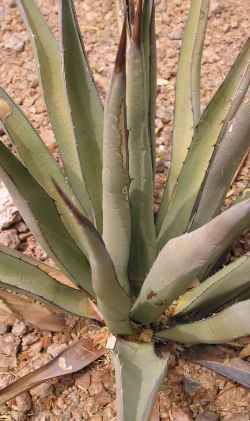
x=94 y=217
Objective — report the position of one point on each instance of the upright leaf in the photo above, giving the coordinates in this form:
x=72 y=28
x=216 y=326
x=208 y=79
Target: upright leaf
x=208 y=133
x=85 y=105
x=229 y=324
x=116 y=209
x=41 y=216
x=73 y=359
x=112 y=300
x=149 y=68
x=186 y=258
x=34 y=154
x=52 y=79
x=28 y=276
x=225 y=160
x=139 y=374
x=143 y=244
x=187 y=101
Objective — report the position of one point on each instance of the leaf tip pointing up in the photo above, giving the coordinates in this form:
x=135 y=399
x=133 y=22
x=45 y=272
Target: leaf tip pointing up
x=121 y=53
x=137 y=24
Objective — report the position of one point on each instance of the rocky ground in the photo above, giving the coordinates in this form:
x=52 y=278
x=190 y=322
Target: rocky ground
x=90 y=395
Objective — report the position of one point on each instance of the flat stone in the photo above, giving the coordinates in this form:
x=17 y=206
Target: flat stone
x=176 y=34
x=29 y=339
x=7 y=362
x=56 y=349
x=9 y=214
x=9 y=344
x=19 y=328
x=23 y=402
x=13 y=42
x=9 y=238
x=6 y=379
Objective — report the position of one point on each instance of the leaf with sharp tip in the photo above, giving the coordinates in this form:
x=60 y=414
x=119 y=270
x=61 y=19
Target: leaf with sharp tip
x=41 y=216
x=85 y=105
x=39 y=316
x=220 y=288
x=34 y=153
x=116 y=209
x=187 y=108
x=73 y=359
x=112 y=300
x=185 y=258
x=208 y=133
x=223 y=165
x=234 y=369
x=28 y=276
x=149 y=66
x=139 y=374
x=143 y=243
x=229 y=324
x=50 y=69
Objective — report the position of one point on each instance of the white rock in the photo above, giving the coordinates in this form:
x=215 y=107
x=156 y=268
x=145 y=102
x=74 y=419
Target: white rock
x=9 y=214
x=19 y=328
x=13 y=42
x=9 y=238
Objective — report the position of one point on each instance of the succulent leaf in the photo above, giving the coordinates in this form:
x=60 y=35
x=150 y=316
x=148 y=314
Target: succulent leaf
x=224 y=163
x=85 y=105
x=229 y=324
x=41 y=216
x=52 y=79
x=143 y=243
x=136 y=386
x=187 y=102
x=116 y=209
x=112 y=300
x=28 y=276
x=35 y=155
x=186 y=258
x=208 y=133
x=149 y=66
x=218 y=289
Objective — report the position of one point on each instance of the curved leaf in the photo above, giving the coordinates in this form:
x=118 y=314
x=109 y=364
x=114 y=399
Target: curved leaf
x=41 y=216
x=29 y=276
x=112 y=300
x=229 y=324
x=208 y=133
x=52 y=79
x=139 y=374
x=85 y=105
x=73 y=359
x=220 y=288
x=143 y=244
x=187 y=102
x=185 y=258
